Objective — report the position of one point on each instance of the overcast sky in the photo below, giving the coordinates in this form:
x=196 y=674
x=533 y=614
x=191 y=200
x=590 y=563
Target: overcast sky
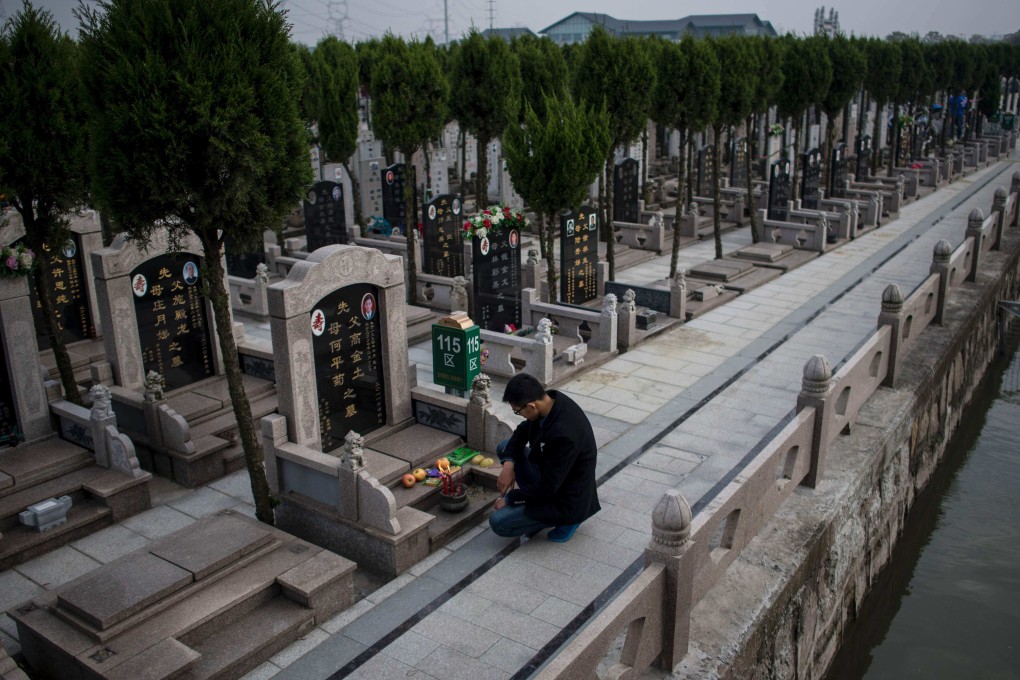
x=313 y=19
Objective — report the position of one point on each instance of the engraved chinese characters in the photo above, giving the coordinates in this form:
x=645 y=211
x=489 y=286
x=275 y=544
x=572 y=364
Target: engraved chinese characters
x=325 y=221
x=172 y=325
x=347 y=351
x=8 y=416
x=706 y=171
x=444 y=252
x=496 y=261
x=626 y=191
x=738 y=163
x=68 y=297
x=394 y=205
x=863 y=157
x=779 y=191
x=809 y=194
x=579 y=256
x=838 y=176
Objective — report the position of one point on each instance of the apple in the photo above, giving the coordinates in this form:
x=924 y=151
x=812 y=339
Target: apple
x=408 y=480
x=419 y=474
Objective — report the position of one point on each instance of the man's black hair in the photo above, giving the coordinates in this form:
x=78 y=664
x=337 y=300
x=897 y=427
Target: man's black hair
x=523 y=389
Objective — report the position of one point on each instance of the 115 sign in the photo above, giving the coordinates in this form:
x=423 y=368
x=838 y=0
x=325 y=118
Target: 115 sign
x=456 y=355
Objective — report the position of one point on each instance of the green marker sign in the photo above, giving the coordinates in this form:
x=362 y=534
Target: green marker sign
x=456 y=352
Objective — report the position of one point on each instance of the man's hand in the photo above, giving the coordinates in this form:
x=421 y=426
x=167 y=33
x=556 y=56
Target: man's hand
x=505 y=481
x=500 y=503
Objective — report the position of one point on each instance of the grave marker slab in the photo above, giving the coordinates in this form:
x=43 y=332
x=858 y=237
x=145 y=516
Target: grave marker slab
x=8 y=412
x=393 y=204
x=171 y=315
x=496 y=263
x=862 y=147
x=347 y=355
x=579 y=235
x=240 y=263
x=779 y=191
x=738 y=163
x=626 y=191
x=812 y=164
x=325 y=221
x=444 y=236
x=706 y=171
x=68 y=297
x=838 y=173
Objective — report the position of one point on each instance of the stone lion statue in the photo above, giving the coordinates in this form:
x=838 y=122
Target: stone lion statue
x=544 y=332
x=101 y=406
x=352 y=454
x=480 y=389
x=155 y=386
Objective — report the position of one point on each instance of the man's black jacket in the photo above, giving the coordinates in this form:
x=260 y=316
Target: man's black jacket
x=563 y=449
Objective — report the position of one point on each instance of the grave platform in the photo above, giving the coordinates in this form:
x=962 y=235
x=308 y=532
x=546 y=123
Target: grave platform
x=779 y=256
x=53 y=468
x=734 y=274
x=212 y=600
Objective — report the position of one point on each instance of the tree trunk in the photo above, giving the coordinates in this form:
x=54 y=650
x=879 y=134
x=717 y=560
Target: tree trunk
x=875 y=130
x=830 y=137
x=355 y=198
x=752 y=152
x=608 y=224
x=602 y=204
x=678 y=214
x=895 y=134
x=43 y=282
x=548 y=232
x=412 y=225
x=794 y=189
x=644 y=164
x=687 y=192
x=462 y=170
x=541 y=234
x=427 y=162
x=716 y=193
x=246 y=430
x=482 y=176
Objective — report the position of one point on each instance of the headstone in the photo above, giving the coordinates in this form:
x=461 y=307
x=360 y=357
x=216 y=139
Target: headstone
x=170 y=311
x=240 y=263
x=919 y=139
x=8 y=410
x=335 y=172
x=811 y=175
x=706 y=171
x=347 y=355
x=838 y=171
x=393 y=204
x=444 y=237
x=496 y=266
x=370 y=185
x=579 y=237
x=738 y=164
x=325 y=220
x=779 y=191
x=68 y=297
x=863 y=151
x=494 y=167
x=316 y=162
x=626 y=191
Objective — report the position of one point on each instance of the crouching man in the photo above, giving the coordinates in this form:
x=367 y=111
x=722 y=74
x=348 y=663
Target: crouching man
x=551 y=458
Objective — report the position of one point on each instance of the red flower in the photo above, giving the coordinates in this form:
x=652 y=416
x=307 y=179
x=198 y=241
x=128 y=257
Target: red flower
x=486 y=212
x=487 y=223
x=506 y=210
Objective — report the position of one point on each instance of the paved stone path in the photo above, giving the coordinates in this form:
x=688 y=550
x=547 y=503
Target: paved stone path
x=680 y=411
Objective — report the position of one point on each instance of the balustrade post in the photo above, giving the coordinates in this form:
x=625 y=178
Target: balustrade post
x=1014 y=188
x=974 y=222
x=941 y=254
x=892 y=316
x=670 y=546
x=678 y=296
x=999 y=207
x=816 y=391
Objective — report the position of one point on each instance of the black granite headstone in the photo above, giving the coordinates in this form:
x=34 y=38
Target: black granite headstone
x=738 y=164
x=653 y=298
x=838 y=172
x=325 y=220
x=863 y=151
x=811 y=175
x=8 y=416
x=347 y=354
x=444 y=236
x=394 y=205
x=171 y=316
x=626 y=191
x=779 y=191
x=579 y=257
x=706 y=171
x=242 y=264
x=496 y=263
x=68 y=297
x=920 y=141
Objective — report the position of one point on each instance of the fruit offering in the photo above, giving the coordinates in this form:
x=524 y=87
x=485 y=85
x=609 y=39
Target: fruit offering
x=408 y=480
x=477 y=460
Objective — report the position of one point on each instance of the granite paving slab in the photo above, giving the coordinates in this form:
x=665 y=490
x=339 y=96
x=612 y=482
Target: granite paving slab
x=191 y=405
x=763 y=252
x=721 y=270
x=211 y=544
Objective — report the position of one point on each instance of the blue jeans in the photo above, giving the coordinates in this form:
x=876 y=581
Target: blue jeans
x=510 y=520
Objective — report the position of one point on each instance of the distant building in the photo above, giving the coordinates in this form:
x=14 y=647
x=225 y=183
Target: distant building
x=575 y=28
x=826 y=26
x=507 y=33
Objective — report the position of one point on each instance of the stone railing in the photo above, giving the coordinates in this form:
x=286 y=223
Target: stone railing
x=805 y=236
x=249 y=295
x=574 y=322
x=96 y=429
x=869 y=205
x=688 y=554
x=643 y=236
x=534 y=351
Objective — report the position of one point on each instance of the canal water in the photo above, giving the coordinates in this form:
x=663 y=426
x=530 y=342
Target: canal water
x=948 y=605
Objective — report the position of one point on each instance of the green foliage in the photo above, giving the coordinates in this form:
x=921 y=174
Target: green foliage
x=411 y=94
x=338 y=98
x=912 y=71
x=736 y=81
x=686 y=92
x=194 y=116
x=807 y=72
x=884 y=63
x=41 y=125
x=310 y=96
x=849 y=66
x=543 y=71
x=486 y=79
x=989 y=82
x=367 y=52
x=555 y=157
x=617 y=72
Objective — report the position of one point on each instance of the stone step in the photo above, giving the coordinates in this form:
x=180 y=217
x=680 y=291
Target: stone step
x=238 y=648
x=224 y=421
x=31 y=464
x=22 y=543
x=67 y=484
x=448 y=525
x=418 y=445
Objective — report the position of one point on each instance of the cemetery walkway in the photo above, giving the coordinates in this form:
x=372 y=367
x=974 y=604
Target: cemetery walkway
x=682 y=410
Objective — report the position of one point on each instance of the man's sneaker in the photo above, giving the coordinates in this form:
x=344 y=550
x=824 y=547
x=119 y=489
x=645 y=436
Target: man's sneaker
x=562 y=534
